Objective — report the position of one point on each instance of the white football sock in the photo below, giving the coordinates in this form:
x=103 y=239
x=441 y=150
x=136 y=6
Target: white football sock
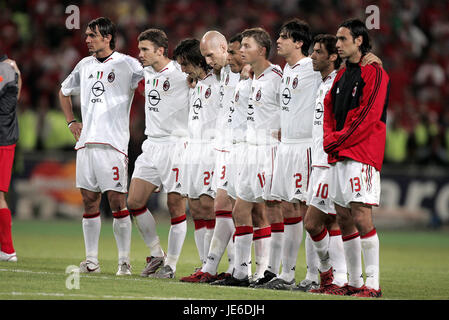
x=277 y=239
x=230 y=249
x=91 y=230
x=243 y=240
x=176 y=237
x=312 y=260
x=370 y=250
x=224 y=228
x=353 y=256
x=293 y=233
x=337 y=258
x=121 y=225
x=321 y=245
x=262 y=246
x=200 y=230
x=147 y=229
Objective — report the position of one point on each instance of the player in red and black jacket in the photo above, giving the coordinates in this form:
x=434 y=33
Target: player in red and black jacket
x=354 y=133
x=355 y=114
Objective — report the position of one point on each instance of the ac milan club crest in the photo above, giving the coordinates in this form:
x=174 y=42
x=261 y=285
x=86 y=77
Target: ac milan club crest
x=208 y=92
x=166 y=85
x=111 y=76
x=295 y=83
x=258 y=95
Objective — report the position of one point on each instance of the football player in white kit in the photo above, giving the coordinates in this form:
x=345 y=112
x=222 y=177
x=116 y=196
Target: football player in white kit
x=199 y=159
x=254 y=180
x=320 y=221
x=105 y=81
x=214 y=48
x=160 y=164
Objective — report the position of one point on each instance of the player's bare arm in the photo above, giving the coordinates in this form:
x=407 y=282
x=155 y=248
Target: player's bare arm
x=66 y=106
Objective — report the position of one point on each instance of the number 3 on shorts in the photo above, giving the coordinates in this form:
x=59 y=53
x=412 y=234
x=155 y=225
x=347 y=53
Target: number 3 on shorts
x=115 y=173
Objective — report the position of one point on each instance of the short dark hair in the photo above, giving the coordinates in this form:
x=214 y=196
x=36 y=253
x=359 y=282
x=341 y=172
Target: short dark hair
x=299 y=30
x=188 y=50
x=236 y=38
x=156 y=36
x=329 y=41
x=262 y=38
x=357 y=29
x=105 y=27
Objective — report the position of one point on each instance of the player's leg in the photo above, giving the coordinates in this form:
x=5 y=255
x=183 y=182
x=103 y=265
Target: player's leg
x=315 y=224
x=208 y=215
x=7 y=251
x=122 y=227
x=370 y=244
x=177 y=207
x=336 y=252
x=224 y=228
x=293 y=233
x=138 y=195
x=274 y=215
x=91 y=229
x=243 y=238
x=351 y=245
x=200 y=226
x=261 y=240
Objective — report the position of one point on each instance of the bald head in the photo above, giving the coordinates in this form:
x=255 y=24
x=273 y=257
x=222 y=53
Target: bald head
x=214 y=48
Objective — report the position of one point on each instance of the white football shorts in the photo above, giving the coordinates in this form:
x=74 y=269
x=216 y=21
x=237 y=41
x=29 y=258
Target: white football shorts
x=199 y=165
x=161 y=164
x=319 y=190
x=353 y=181
x=100 y=168
x=292 y=169
x=220 y=179
x=255 y=179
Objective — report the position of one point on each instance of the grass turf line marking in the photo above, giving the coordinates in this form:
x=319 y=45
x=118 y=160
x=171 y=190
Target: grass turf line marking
x=73 y=295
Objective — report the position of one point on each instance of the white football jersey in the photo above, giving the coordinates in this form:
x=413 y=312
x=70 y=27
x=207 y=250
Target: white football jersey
x=319 y=157
x=228 y=81
x=263 y=113
x=106 y=92
x=297 y=95
x=166 y=102
x=204 y=107
x=239 y=110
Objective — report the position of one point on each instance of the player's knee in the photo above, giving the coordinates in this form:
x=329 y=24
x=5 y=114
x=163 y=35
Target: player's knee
x=176 y=207
x=134 y=204
x=312 y=223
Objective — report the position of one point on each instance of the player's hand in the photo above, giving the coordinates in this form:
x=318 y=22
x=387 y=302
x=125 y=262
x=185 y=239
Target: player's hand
x=75 y=128
x=371 y=58
x=247 y=72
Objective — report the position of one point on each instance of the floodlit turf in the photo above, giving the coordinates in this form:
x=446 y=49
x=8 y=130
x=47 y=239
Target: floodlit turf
x=414 y=266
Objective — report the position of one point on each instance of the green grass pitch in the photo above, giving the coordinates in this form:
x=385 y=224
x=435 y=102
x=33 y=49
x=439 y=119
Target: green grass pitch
x=414 y=265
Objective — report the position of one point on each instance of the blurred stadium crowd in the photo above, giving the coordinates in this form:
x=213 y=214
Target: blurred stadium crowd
x=413 y=42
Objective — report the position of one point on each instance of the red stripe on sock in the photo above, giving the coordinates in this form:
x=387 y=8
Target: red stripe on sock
x=137 y=212
x=262 y=233
x=320 y=236
x=91 y=215
x=242 y=230
x=223 y=214
x=210 y=224
x=120 y=214
x=178 y=219
x=293 y=220
x=199 y=223
x=277 y=227
x=369 y=234
x=333 y=233
x=350 y=237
